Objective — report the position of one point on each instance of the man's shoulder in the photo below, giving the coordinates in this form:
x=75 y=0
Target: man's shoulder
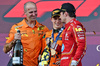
x=76 y=23
x=20 y=24
x=78 y=26
x=41 y=25
x=49 y=32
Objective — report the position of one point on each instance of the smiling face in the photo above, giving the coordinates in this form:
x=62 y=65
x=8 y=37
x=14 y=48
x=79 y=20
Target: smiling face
x=31 y=12
x=56 y=22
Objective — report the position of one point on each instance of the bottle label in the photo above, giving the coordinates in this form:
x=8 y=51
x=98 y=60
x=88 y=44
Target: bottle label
x=16 y=60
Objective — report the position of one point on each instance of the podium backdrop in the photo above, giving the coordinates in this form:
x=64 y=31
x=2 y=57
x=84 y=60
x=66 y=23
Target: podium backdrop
x=87 y=11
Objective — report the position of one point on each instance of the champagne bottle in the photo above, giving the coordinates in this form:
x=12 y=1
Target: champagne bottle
x=18 y=53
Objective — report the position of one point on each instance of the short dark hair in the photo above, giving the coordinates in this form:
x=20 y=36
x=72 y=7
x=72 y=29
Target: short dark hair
x=68 y=7
x=71 y=14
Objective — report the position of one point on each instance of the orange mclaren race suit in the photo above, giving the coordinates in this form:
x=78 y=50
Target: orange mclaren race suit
x=54 y=55
x=31 y=41
x=74 y=43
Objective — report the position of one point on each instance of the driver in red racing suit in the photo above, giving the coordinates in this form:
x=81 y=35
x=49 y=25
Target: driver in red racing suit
x=74 y=44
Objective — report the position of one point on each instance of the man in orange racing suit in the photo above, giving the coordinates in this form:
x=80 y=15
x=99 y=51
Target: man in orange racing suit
x=56 y=35
x=73 y=38
x=31 y=35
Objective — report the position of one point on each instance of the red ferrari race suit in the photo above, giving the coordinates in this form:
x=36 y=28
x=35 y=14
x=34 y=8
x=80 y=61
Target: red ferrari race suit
x=74 y=43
